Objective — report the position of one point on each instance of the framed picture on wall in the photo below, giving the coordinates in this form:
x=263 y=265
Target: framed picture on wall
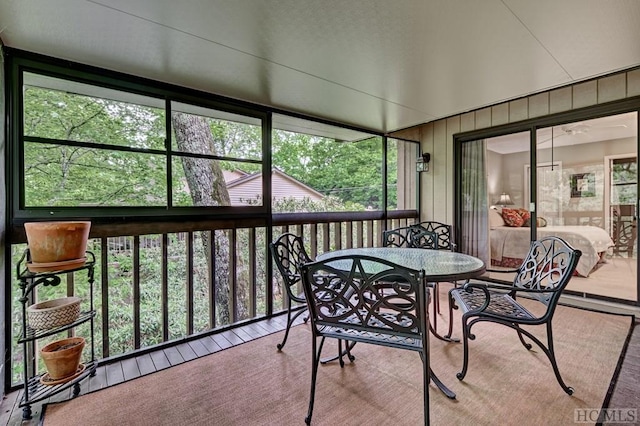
x=583 y=185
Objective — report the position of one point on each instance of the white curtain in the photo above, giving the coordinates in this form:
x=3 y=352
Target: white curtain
x=475 y=204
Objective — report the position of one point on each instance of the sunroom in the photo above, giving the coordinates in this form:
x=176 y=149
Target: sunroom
x=189 y=164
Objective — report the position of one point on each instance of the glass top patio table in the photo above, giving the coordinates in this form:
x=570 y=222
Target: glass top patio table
x=438 y=265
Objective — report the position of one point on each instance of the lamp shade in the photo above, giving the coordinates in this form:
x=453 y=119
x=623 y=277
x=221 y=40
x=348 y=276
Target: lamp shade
x=505 y=200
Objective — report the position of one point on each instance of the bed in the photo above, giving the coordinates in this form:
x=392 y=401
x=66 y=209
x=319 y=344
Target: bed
x=510 y=244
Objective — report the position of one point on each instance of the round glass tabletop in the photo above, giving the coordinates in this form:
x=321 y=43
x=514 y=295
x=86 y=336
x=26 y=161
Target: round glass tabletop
x=438 y=265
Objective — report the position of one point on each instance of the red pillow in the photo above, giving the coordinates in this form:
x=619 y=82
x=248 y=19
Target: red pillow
x=526 y=215
x=512 y=218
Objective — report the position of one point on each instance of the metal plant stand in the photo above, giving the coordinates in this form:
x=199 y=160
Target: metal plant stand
x=34 y=390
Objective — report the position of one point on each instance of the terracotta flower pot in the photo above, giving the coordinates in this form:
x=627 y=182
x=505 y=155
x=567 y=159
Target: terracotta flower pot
x=57 y=241
x=62 y=357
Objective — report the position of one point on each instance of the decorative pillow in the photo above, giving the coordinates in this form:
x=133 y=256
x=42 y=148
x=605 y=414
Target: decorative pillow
x=495 y=219
x=541 y=222
x=526 y=215
x=512 y=217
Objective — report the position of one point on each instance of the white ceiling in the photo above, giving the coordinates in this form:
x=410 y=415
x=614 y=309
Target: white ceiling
x=377 y=64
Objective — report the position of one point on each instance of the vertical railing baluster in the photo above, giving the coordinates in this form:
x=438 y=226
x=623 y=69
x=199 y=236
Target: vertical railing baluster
x=253 y=295
x=360 y=234
x=233 y=270
x=137 y=338
x=71 y=290
x=378 y=237
x=211 y=254
x=349 y=232
x=313 y=234
x=164 y=285
x=189 y=272
x=104 y=291
x=326 y=242
x=369 y=224
x=337 y=233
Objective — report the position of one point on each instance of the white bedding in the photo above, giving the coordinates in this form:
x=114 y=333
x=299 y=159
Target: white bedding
x=513 y=242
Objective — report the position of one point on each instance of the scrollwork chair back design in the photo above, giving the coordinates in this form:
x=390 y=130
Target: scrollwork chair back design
x=346 y=302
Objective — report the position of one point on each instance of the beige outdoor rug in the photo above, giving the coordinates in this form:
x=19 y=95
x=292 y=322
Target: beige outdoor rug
x=254 y=384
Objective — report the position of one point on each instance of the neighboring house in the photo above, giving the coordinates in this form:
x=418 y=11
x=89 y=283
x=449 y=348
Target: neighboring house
x=245 y=188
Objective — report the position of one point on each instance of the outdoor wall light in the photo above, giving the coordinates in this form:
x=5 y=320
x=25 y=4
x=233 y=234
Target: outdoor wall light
x=422 y=163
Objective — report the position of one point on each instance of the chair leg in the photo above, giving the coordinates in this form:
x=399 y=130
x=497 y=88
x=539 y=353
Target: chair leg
x=433 y=324
x=426 y=374
x=346 y=352
x=452 y=306
x=466 y=335
x=550 y=353
x=289 y=322
x=436 y=305
x=525 y=344
x=315 y=360
x=552 y=358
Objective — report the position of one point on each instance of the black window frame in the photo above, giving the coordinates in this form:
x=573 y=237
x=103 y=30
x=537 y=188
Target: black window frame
x=18 y=64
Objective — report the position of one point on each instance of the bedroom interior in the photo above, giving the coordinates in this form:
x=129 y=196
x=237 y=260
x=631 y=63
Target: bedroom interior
x=586 y=179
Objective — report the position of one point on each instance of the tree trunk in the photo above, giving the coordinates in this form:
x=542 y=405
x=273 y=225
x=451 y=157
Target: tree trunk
x=207 y=186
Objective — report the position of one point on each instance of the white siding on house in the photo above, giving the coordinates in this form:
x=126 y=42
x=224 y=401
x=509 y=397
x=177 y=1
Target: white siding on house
x=249 y=190
x=282 y=186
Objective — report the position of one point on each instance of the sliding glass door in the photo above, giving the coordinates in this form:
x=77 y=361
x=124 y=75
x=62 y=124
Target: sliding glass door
x=580 y=183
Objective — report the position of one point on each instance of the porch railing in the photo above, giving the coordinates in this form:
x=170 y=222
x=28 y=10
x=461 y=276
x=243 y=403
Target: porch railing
x=156 y=284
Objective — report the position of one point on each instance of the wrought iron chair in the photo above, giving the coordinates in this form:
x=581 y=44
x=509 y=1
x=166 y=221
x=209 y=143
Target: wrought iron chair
x=543 y=275
x=415 y=236
x=445 y=242
x=289 y=254
x=623 y=229
x=346 y=303
x=427 y=235
x=444 y=233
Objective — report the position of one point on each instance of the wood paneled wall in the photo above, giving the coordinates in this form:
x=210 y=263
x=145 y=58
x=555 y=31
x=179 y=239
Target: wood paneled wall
x=437 y=190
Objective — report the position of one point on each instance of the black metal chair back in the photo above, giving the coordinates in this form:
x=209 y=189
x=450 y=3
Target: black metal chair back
x=413 y=236
x=288 y=254
x=546 y=270
x=417 y=236
x=444 y=233
x=346 y=302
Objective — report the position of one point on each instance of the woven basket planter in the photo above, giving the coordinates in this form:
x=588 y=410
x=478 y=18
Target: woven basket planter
x=53 y=313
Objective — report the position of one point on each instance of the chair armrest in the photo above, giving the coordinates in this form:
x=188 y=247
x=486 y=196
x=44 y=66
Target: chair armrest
x=489 y=285
x=507 y=287
x=470 y=287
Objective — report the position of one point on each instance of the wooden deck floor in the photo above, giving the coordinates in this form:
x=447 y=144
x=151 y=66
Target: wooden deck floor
x=626 y=393
x=111 y=374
